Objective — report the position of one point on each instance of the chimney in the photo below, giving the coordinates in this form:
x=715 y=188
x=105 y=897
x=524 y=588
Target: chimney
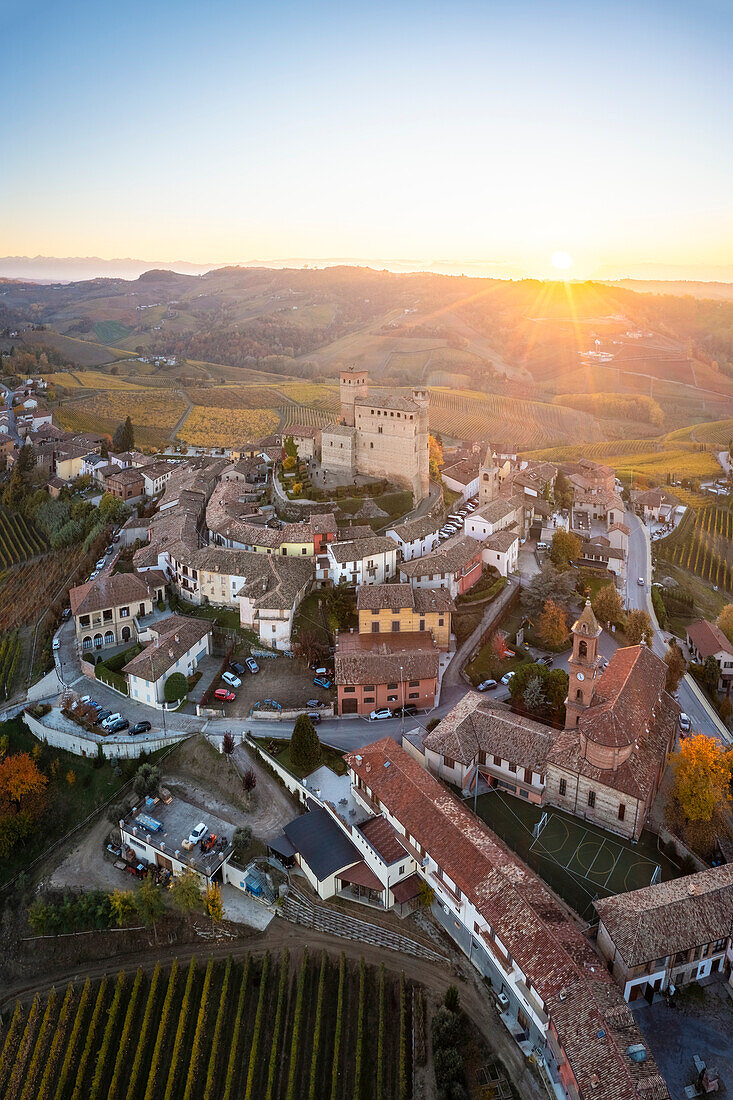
x=177 y=638
x=170 y=654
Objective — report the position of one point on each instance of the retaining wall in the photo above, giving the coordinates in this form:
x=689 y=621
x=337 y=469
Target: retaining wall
x=82 y=743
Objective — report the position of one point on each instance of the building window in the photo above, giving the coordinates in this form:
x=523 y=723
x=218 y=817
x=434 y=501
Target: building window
x=349 y=689
x=422 y=624
x=391 y=687
x=413 y=695
x=579 y=695
x=497 y=761
x=449 y=762
x=395 y=627
x=441 y=622
x=621 y=811
x=375 y=628
x=512 y=767
x=563 y=787
x=592 y=799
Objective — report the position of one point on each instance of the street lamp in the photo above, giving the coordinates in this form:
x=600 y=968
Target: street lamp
x=402 y=693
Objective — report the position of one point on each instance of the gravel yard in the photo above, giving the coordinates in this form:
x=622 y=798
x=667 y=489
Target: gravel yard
x=287 y=680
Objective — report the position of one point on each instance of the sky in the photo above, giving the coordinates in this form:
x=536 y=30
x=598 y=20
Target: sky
x=480 y=136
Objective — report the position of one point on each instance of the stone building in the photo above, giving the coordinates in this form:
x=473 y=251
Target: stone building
x=383 y=435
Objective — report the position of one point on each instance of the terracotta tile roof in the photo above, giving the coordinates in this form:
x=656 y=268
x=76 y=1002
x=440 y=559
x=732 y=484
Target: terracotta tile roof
x=380 y=399
x=452 y=557
x=361 y=875
x=501 y=541
x=127 y=475
x=358 y=549
x=354 y=531
x=584 y=1006
x=323 y=523
x=415 y=529
x=337 y=430
x=385 y=596
x=673 y=916
x=301 y=431
x=406 y=889
x=175 y=636
x=708 y=639
x=376 y=658
x=106 y=591
x=384 y=839
x=624 y=697
x=620 y=527
x=495 y=511
x=652 y=498
x=464 y=472
x=476 y=725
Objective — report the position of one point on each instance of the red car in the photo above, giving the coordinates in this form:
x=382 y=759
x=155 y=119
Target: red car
x=224 y=695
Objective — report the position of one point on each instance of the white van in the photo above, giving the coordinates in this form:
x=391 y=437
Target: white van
x=541 y=545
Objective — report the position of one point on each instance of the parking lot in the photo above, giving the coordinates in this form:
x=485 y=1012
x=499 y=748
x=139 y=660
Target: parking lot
x=287 y=680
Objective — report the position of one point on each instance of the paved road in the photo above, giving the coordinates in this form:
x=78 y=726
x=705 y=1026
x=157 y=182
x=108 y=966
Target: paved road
x=691 y=699
x=12 y=427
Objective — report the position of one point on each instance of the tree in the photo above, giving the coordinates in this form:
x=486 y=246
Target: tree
x=289 y=463
x=702 y=772
x=563 y=491
x=186 y=891
x=149 y=904
x=446 y=1025
x=548 y=584
x=104 y=449
x=213 y=904
x=23 y=799
x=176 y=687
x=725 y=709
x=249 y=782
x=435 y=457
x=710 y=675
x=565 y=548
x=146 y=783
x=676 y=667
x=607 y=605
x=554 y=687
x=305 y=748
x=553 y=625
x=534 y=695
x=725 y=621
x=112 y=511
x=123 y=906
x=638 y=627
x=290 y=448
x=241 y=841
x=452 y=998
x=227 y=743
x=310 y=647
x=124 y=437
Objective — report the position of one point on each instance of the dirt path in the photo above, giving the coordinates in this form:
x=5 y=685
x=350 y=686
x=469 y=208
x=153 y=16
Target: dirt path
x=177 y=427
x=281 y=934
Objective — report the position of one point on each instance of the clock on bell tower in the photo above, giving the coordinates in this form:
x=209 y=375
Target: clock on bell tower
x=583 y=666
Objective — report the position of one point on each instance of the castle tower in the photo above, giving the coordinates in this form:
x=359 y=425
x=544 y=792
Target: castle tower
x=583 y=666
x=421 y=397
x=488 y=479
x=353 y=383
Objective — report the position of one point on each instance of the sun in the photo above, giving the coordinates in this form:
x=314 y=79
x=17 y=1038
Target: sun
x=561 y=260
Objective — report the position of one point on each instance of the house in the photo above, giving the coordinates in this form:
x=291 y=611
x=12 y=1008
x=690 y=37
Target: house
x=179 y=643
x=306 y=437
x=415 y=537
x=463 y=477
x=68 y=459
x=496 y=515
x=456 y=566
x=598 y=553
x=322 y=850
x=535 y=479
x=653 y=505
x=156 y=832
x=501 y=550
x=585 y=476
x=599 y=504
x=669 y=934
x=91 y=463
x=508 y=750
x=125 y=483
x=375 y=671
x=362 y=561
x=249 y=472
x=706 y=639
x=155 y=475
x=107 y=610
x=558 y=998
x=618 y=537
x=400 y=609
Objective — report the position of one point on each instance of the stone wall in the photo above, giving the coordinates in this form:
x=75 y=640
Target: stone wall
x=65 y=734
x=605 y=811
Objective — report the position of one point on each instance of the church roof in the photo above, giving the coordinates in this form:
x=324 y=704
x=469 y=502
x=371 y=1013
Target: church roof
x=587 y=623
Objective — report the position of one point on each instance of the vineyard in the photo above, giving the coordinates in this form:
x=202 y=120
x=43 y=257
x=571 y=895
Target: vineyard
x=654 y=459
x=10 y=658
x=76 y=418
x=304 y=414
x=260 y=1030
x=215 y=427
x=146 y=408
x=26 y=590
x=465 y=415
x=703 y=544
x=19 y=539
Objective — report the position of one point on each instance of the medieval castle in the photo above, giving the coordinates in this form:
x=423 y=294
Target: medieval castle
x=382 y=436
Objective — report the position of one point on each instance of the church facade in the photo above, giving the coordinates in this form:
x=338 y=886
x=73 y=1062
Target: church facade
x=379 y=434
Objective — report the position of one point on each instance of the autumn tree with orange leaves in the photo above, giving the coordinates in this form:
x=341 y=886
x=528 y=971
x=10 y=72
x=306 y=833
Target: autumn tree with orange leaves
x=702 y=771
x=22 y=798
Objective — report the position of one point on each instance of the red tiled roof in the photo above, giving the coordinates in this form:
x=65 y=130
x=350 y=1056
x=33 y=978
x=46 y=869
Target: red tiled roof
x=577 y=990
x=707 y=638
x=361 y=875
x=624 y=697
x=383 y=838
x=406 y=889
x=376 y=658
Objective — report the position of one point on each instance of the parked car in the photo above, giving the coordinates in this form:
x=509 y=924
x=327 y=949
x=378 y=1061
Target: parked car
x=685 y=723
x=93 y=574
x=487 y=685
x=224 y=696
x=252 y=665
x=115 y=538
x=236 y=668
x=313 y=703
x=378 y=715
x=322 y=682
x=100 y=564
x=56 y=644
x=196 y=834
x=108 y=551
x=546 y=660
x=140 y=727
x=118 y=726
x=66 y=615
x=111 y=719
x=314 y=717
x=231 y=679
x=408 y=710
x=507 y=677
x=102 y=716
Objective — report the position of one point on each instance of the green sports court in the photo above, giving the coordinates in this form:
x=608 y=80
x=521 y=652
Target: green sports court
x=579 y=861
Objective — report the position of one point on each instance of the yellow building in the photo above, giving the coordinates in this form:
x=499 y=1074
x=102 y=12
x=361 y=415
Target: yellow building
x=400 y=609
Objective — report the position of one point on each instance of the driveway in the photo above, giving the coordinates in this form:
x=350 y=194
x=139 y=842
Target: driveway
x=288 y=680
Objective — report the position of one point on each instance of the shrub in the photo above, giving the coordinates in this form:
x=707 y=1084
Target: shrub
x=103 y=1055
x=124 y=1043
x=255 y=1048
x=197 y=1046
x=305 y=748
x=132 y=1089
x=160 y=1039
x=276 y=1028
x=176 y=687
x=218 y=1029
x=79 y=1019
x=233 y=1062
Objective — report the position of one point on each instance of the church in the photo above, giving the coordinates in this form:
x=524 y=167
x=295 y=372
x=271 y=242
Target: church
x=380 y=435
x=604 y=766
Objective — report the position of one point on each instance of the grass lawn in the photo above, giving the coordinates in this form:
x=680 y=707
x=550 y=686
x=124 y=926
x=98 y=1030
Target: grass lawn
x=308 y=617
x=486 y=665
x=225 y=617
x=706 y=603
x=68 y=802
x=332 y=759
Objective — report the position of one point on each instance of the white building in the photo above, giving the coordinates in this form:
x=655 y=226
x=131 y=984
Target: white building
x=416 y=537
x=362 y=561
x=180 y=643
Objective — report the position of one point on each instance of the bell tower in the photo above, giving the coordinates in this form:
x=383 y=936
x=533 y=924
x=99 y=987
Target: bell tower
x=488 y=479
x=583 y=666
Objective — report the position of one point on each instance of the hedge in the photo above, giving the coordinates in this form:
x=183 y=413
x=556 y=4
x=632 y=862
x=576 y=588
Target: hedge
x=233 y=1063
x=180 y=1031
x=659 y=609
x=25 y=1045
x=275 y=1047
x=317 y=1031
x=380 y=1037
x=113 y=679
x=402 y=1087
x=29 y=1087
x=165 y=1015
x=104 y=1050
x=338 y=1028
x=11 y=1044
x=218 y=1029
x=359 y=1060
x=124 y=1043
x=59 y=1037
x=81 y=1011
x=254 y=1050
x=198 y=1038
